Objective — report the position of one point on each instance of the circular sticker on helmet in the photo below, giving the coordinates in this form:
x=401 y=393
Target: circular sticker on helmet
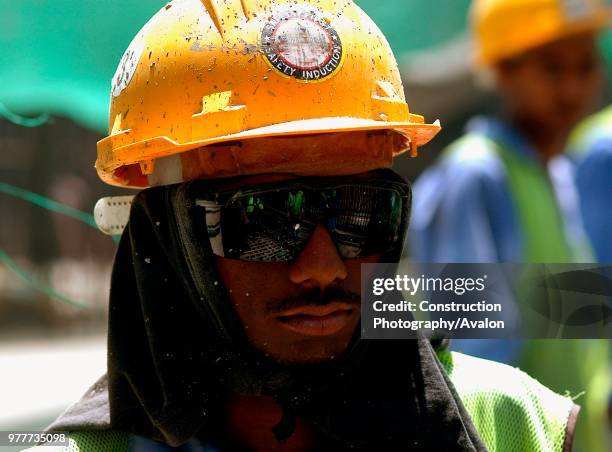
x=127 y=66
x=302 y=45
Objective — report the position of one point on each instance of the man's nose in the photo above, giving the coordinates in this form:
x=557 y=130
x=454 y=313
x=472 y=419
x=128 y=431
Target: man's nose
x=319 y=264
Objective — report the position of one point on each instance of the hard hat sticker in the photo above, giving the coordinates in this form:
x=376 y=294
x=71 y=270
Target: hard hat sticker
x=302 y=45
x=127 y=66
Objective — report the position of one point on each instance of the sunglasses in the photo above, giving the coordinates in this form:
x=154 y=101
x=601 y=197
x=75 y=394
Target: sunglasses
x=273 y=223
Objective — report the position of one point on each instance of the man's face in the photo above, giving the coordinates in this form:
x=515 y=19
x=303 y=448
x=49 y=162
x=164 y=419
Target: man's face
x=298 y=312
x=554 y=85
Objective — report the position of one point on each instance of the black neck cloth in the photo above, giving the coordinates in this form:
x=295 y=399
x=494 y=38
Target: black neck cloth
x=176 y=348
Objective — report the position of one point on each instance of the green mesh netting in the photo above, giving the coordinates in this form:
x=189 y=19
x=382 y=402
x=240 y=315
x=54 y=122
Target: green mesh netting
x=511 y=411
x=94 y=441
x=98 y=441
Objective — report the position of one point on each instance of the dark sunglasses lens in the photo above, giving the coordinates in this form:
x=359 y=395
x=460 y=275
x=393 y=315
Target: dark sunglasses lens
x=275 y=225
x=366 y=220
x=264 y=227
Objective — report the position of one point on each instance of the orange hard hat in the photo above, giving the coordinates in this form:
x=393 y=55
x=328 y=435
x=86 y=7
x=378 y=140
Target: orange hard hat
x=218 y=88
x=504 y=29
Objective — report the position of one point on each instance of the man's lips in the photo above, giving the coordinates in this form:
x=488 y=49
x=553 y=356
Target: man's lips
x=317 y=320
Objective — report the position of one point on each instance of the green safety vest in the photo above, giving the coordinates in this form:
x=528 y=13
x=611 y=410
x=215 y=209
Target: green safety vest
x=533 y=199
x=577 y=367
x=589 y=130
x=511 y=411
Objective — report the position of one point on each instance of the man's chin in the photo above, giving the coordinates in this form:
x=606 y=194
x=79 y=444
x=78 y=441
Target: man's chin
x=304 y=361
x=312 y=352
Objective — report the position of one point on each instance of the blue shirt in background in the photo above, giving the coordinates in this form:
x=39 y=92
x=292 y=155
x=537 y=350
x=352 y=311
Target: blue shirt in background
x=463 y=212
x=594 y=183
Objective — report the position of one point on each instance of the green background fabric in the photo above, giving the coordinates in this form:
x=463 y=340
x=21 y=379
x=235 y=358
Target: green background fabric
x=59 y=56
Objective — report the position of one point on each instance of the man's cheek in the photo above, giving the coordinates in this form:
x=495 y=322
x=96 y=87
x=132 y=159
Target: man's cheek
x=354 y=269
x=247 y=306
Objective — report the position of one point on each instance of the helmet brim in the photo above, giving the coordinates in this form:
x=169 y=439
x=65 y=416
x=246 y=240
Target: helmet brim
x=113 y=155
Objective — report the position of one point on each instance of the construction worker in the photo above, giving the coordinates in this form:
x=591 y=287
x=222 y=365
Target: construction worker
x=234 y=305
x=503 y=192
x=590 y=148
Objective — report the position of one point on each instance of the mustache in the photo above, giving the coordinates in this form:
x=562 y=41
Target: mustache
x=315 y=297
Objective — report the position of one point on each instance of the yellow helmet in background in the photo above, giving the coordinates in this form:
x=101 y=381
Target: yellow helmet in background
x=506 y=28
x=217 y=88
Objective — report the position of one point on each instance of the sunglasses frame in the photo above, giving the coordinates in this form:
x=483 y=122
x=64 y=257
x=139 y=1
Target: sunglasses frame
x=213 y=198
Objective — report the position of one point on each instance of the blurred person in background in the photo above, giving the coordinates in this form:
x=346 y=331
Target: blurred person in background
x=234 y=307
x=590 y=148
x=504 y=193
